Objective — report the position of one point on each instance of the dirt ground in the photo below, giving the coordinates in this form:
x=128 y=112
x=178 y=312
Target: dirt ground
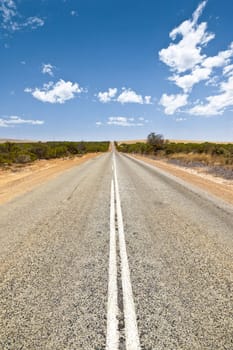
x=20 y=179
x=217 y=186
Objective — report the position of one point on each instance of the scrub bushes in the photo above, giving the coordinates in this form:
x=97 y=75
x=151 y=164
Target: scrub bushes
x=27 y=152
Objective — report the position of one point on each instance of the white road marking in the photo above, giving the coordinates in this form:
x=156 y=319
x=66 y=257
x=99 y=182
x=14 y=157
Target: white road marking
x=131 y=330
x=112 y=339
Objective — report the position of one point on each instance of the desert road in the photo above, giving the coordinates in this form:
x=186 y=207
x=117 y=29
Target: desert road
x=115 y=254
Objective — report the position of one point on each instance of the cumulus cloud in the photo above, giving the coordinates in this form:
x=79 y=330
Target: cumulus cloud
x=186 y=54
x=47 y=69
x=187 y=81
x=12 y=20
x=125 y=96
x=129 y=96
x=228 y=70
x=190 y=66
x=220 y=60
x=59 y=92
x=14 y=120
x=216 y=104
x=172 y=103
x=107 y=96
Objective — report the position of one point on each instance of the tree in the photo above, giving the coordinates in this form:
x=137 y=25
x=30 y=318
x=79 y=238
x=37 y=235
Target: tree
x=156 y=141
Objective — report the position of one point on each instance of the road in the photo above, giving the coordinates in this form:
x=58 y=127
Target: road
x=115 y=254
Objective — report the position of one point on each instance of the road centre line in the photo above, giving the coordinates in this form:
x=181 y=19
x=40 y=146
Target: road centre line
x=131 y=330
x=112 y=338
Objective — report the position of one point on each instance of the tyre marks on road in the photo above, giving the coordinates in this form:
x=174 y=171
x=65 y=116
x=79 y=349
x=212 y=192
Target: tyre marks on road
x=130 y=323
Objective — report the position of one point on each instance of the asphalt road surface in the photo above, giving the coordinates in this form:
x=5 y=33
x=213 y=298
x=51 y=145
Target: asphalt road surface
x=115 y=254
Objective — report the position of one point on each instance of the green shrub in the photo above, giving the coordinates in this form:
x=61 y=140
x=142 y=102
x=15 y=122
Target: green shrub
x=207 y=152
x=27 y=152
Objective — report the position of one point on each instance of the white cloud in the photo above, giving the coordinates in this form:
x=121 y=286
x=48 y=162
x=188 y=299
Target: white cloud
x=12 y=121
x=125 y=96
x=216 y=104
x=33 y=22
x=147 y=100
x=172 y=103
x=107 y=96
x=13 y=21
x=124 y=121
x=129 y=96
x=197 y=13
x=187 y=81
x=47 y=69
x=59 y=92
x=190 y=66
x=186 y=54
x=220 y=60
x=213 y=81
x=228 y=70
x=8 y=10
x=120 y=121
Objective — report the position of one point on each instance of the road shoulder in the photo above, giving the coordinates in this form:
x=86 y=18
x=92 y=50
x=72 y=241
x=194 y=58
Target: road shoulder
x=17 y=181
x=222 y=189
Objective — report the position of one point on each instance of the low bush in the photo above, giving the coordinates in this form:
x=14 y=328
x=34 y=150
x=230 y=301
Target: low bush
x=205 y=153
x=27 y=152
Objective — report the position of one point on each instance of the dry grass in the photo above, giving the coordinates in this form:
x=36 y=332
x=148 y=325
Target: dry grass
x=200 y=141
x=201 y=158
x=193 y=157
x=129 y=142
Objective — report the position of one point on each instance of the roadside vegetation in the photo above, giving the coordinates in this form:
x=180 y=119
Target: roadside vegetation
x=217 y=156
x=22 y=153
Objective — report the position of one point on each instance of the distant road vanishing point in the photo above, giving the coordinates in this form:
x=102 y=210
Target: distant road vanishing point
x=116 y=254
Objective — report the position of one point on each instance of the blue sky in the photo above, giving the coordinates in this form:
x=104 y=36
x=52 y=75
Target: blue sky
x=88 y=70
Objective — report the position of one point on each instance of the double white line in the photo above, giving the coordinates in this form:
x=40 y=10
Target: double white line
x=131 y=331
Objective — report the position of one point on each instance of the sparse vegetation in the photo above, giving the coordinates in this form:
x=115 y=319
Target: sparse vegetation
x=192 y=154
x=28 y=152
